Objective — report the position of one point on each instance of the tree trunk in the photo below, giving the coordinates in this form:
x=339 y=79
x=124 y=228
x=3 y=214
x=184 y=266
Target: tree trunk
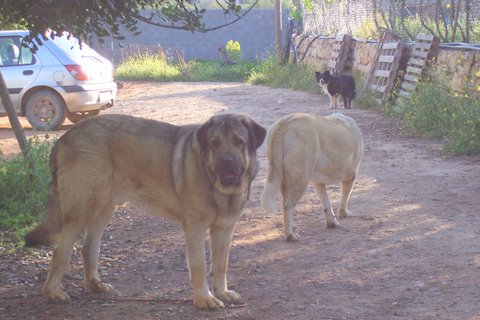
x=12 y=116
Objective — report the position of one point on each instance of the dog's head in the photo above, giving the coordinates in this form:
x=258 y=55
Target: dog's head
x=323 y=78
x=228 y=143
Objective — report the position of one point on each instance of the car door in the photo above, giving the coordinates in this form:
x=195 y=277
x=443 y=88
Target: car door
x=19 y=68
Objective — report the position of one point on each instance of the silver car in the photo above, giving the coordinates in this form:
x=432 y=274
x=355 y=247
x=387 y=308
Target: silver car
x=61 y=79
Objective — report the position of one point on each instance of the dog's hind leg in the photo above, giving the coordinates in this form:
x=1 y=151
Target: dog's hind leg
x=292 y=193
x=327 y=206
x=52 y=290
x=91 y=248
x=346 y=102
x=347 y=187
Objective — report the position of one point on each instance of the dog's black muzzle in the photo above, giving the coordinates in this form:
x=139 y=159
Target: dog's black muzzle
x=229 y=170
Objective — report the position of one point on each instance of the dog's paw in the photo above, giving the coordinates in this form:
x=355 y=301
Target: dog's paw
x=333 y=224
x=229 y=296
x=343 y=213
x=293 y=237
x=208 y=302
x=56 y=296
x=97 y=286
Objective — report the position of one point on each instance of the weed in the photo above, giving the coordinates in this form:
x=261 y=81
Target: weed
x=293 y=76
x=24 y=190
x=152 y=67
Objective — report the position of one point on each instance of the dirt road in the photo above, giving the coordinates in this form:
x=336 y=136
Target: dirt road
x=410 y=250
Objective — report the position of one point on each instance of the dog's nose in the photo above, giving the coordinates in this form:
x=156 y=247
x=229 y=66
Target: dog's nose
x=228 y=161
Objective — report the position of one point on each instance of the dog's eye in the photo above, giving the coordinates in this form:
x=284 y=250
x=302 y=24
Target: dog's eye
x=216 y=143
x=238 y=142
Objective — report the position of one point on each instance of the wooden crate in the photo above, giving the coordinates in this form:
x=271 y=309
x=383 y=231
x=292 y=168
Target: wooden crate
x=385 y=68
x=423 y=52
x=342 y=49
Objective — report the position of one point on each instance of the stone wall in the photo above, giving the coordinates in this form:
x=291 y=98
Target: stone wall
x=463 y=64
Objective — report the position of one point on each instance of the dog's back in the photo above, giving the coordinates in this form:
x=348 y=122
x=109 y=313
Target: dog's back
x=326 y=149
x=343 y=85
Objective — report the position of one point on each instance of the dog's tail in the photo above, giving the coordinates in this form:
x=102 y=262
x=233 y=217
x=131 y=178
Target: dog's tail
x=275 y=170
x=45 y=232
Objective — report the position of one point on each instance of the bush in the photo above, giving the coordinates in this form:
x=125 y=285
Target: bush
x=437 y=111
x=234 y=50
x=24 y=190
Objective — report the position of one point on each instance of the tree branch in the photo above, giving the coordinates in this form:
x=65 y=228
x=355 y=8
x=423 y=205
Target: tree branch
x=184 y=27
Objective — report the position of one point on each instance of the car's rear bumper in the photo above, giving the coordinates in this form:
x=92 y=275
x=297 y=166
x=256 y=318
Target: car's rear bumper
x=89 y=97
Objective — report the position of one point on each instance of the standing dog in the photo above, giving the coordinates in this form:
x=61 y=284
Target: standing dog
x=342 y=85
x=303 y=148
x=197 y=175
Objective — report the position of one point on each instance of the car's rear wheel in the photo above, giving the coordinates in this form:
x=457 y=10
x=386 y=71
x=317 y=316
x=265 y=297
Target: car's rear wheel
x=79 y=116
x=45 y=110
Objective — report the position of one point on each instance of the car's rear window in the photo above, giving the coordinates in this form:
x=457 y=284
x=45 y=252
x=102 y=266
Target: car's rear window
x=72 y=46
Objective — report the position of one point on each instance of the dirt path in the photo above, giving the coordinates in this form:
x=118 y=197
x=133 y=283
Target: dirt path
x=411 y=249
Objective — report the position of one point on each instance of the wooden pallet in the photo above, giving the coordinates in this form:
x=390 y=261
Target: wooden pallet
x=341 y=53
x=384 y=70
x=423 y=52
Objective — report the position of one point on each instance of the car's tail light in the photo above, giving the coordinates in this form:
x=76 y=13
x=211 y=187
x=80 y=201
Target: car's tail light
x=77 y=72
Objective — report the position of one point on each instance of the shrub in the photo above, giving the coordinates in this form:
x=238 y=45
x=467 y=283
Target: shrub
x=234 y=50
x=24 y=190
x=435 y=110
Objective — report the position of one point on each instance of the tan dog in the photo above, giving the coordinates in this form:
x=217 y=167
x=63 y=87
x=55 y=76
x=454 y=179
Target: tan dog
x=197 y=175
x=303 y=148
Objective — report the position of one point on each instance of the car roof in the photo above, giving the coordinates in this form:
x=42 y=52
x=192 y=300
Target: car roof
x=14 y=32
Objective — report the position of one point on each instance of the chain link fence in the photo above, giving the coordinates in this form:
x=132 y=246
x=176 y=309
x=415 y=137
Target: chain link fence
x=450 y=20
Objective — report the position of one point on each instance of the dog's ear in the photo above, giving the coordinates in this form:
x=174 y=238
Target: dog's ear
x=202 y=135
x=327 y=73
x=317 y=75
x=256 y=134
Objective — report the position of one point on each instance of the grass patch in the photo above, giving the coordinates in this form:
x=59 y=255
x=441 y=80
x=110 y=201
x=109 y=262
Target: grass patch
x=292 y=76
x=23 y=190
x=153 y=67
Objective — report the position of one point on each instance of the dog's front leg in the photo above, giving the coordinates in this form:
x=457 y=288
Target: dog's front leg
x=220 y=238
x=195 y=241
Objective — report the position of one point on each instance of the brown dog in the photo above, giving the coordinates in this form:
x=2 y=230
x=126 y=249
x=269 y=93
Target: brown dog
x=197 y=175
x=304 y=147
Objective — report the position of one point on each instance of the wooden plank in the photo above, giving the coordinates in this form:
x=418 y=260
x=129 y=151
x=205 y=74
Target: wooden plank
x=339 y=37
x=409 y=77
x=378 y=88
x=416 y=62
x=382 y=73
x=337 y=46
x=390 y=45
x=335 y=54
x=424 y=37
x=388 y=59
x=423 y=45
x=420 y=54
x=411 y=69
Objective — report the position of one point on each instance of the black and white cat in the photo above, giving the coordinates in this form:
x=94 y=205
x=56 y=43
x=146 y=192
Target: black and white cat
x=335 y=86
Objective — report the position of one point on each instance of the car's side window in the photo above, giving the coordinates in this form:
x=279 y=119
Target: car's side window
x=26 y=56
x=12 y=53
